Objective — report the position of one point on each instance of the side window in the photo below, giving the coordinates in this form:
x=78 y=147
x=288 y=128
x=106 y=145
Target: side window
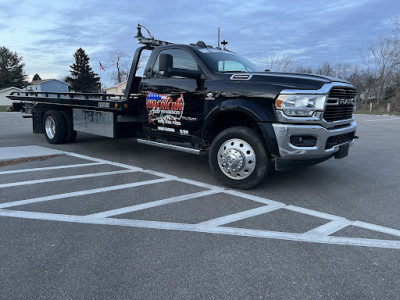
x=230 y=66
x=180 y=60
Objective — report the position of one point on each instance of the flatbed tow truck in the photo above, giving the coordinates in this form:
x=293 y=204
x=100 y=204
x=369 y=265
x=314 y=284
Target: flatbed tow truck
x=204 y=100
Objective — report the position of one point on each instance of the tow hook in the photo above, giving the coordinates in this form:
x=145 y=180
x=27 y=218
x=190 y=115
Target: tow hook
x=343 y=152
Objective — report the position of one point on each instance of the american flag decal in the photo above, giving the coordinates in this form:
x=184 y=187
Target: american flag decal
x=163 y=109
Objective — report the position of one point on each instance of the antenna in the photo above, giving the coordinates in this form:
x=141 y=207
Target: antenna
x=219 y=38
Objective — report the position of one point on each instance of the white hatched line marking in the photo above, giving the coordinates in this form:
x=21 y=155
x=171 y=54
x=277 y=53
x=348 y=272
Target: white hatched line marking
x=329 y=228
x=105 y=161
x=338 y=240
x=303 y=238
x=252 y=197
x=142 y=206
x=83 y=193
x=241 y=215
x=5 y=185
x=376 y=228
x=317 y=235
x=197 y=183
x=206 y=229
x=314 y=213
x=156 y=173
x=52 y=168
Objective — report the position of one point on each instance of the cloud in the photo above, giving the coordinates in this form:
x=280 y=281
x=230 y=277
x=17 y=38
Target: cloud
x=47 y=33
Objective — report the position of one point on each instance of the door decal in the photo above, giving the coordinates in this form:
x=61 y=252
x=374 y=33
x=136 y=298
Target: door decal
x=163 y=110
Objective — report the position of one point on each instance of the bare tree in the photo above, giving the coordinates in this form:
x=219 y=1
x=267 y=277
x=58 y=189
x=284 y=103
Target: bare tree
x=143 y=60
x=301 y=69
x=382 y=63
x=325 y=69
x=282 y=62
x=345 y=70
x=120 y=61
x=396 y=23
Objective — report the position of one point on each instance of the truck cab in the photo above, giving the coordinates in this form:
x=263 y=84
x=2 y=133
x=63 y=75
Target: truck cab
x=194 y=93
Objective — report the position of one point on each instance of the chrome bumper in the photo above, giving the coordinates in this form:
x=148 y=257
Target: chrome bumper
x=288 y=151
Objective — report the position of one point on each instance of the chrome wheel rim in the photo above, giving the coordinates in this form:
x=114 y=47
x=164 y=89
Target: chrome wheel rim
x=50 y=127
x=236 y=159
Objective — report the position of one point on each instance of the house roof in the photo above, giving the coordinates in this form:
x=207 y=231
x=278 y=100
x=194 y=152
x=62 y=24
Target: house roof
x=39 y=81
x=10 y=88
x=44 y=80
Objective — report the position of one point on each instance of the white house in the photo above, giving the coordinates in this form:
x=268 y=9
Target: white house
x=4 y=101
x=118 y=89
x=47 y=85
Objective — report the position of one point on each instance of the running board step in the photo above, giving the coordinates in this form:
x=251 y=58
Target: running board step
x=172 y=147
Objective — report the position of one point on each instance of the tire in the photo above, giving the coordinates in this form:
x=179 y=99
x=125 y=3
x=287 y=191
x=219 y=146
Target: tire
x=239 y=158
x=55 y=127
x=71 y=133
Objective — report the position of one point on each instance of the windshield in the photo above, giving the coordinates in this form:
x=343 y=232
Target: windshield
x=226 y=62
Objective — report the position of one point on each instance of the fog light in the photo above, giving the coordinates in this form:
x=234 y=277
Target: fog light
x=303 y=141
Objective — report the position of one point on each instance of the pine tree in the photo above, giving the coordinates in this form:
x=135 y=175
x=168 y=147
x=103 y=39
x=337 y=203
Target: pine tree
x=36 y=77
x=11 y=69
x=83 y=78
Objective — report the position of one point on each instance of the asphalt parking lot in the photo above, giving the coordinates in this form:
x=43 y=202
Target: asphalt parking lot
x=105 y=218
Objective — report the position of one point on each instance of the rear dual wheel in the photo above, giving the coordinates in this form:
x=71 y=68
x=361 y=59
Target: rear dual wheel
x=239 y=158
x=71 y=133
x=58 y=127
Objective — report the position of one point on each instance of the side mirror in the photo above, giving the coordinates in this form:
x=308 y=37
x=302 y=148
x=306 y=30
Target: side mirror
x=165 y=67
x=165 y=63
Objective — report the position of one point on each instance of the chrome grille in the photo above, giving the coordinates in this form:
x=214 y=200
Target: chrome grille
x=337 y=108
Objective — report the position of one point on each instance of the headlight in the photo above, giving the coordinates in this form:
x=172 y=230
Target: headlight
x=300 y=105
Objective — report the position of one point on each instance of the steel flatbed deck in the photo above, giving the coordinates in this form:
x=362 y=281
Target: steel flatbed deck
x=108 y=102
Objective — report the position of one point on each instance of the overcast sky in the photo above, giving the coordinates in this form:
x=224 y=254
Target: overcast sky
x=47 y=33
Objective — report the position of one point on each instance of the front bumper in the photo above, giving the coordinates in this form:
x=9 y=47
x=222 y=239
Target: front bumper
x=288 y=151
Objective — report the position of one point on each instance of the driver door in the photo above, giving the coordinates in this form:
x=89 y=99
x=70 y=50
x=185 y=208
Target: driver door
x=173 y=105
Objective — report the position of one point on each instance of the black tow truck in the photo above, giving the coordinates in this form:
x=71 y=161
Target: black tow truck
x=204 y=100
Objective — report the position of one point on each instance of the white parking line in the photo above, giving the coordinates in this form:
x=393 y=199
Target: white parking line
x=321 y=234
x=329 y=228
x=188 y=181
x=304 y=238
x=124 y=210
x=241 y=215
x=252 y=197
x=378 y=228
x=296 y=237
x=152 y=172
x=83 y=193
x=51 y=168
x=90 y=175
x=125 y=166
x=313 y=213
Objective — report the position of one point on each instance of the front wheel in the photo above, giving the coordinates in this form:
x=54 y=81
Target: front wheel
x=239 y=158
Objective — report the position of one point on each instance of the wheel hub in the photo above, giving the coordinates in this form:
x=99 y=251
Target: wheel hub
x=233 y=160
x=50 y=127
x=236 y=159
